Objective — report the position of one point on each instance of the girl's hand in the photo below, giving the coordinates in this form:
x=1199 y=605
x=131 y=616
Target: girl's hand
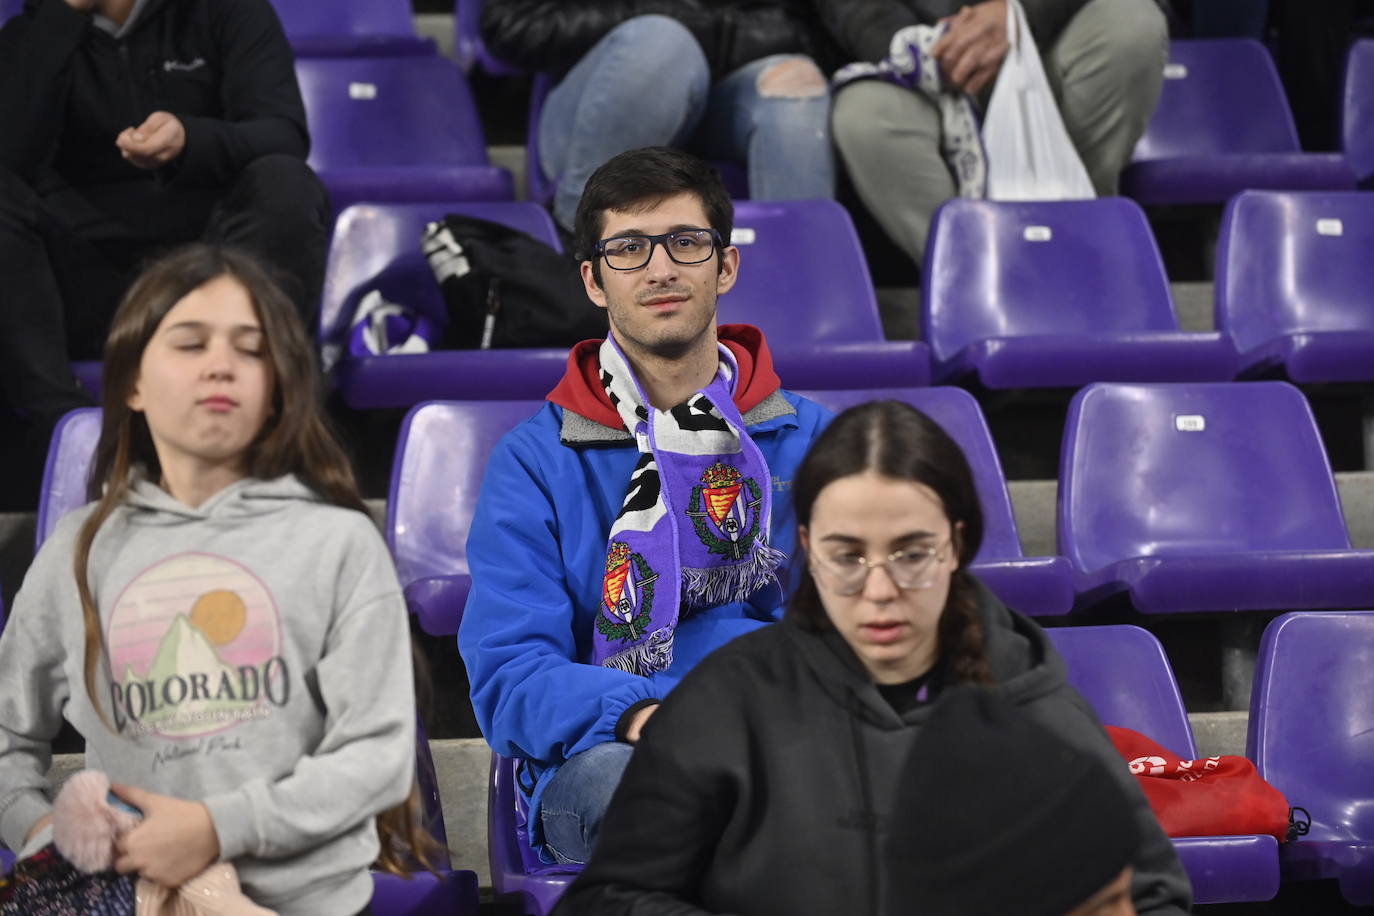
x=175 y=842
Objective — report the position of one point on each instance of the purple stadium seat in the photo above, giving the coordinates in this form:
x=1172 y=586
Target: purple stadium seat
x=1204 y=498
x=515 y=866
x=1055 y=294
x=397 y=129
x=1357 y=112
x=377 y=246
x=10 y=8
x=67 y=469
x=1032 y=585
x=351 y=28
x=454 y=893
x=441 y=456
x=468 y=47
x=1312 y=736
x=1223 y=125
x=803 y=280
x=1123 y=672
x=1295 y=284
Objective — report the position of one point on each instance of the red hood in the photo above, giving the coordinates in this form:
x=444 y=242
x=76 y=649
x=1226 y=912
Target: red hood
x=581 y=392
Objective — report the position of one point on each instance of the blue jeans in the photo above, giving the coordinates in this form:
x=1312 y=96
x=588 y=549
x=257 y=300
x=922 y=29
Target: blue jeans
x=647 y=83
x=576 y=798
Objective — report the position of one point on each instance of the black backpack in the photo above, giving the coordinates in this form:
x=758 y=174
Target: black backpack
x=505 y=288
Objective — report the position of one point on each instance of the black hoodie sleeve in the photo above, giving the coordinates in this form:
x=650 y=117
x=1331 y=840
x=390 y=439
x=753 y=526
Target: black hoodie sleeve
x=36 y=49
x=259 y=95
x=665 y=822
x=863 y=29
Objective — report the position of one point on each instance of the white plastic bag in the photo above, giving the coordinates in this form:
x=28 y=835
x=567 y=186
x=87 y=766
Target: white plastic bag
x=1030 y=155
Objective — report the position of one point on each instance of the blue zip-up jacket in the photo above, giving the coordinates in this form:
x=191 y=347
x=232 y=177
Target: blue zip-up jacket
x=537 y=554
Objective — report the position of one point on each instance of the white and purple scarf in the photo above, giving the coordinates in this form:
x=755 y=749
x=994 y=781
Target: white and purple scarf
x=909 y=64
x=693 y=530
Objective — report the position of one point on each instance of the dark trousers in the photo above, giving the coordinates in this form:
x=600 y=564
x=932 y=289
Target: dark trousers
x=68 y=254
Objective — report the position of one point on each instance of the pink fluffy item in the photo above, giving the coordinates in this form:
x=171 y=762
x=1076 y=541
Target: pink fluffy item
x=84 y=827
x=85 y=824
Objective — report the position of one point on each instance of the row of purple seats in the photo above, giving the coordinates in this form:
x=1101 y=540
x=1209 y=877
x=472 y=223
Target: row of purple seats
x=452 y=892
x=1223 y=125
x=1169 y=499
x=1311 y=734
x=803 y=279
x=442 y=451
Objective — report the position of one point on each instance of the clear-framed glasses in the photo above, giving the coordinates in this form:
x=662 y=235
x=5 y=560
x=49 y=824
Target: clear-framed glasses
x=685 y=246
x=911 y=568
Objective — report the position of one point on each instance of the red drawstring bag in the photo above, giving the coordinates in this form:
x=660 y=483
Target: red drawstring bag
x=1215 y=796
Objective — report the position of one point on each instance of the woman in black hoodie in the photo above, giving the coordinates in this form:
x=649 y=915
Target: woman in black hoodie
x=765 y=782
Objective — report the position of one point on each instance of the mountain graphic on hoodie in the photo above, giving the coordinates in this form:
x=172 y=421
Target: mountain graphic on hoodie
x=187 y=683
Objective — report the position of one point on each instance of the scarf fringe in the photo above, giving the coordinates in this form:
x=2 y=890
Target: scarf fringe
x=719 y=585
x=653 y=655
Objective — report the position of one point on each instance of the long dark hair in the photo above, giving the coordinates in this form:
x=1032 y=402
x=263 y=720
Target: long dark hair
x=295 y=439
x=899 y=442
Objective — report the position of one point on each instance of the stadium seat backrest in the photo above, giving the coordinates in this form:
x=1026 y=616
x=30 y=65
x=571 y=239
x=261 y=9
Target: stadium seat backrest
x=1357 y=112
x=441 y=457
x=958 y=414
x=1293 y=262
x=389 y=111
x=1007 y=269
x=1219 y=96
x=68 y=468
x=370 y=18
x=377 y=246
x=1312 y=719
x=1123 y=672
x=803 y=276
x=1182 y=469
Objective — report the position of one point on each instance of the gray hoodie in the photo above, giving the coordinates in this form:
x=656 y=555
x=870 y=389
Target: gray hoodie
x=257 y=660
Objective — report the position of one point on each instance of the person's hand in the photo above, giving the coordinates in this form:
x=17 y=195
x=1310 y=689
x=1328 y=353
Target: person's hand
x=637 y=723
x=971 y=50
x=155 y=142
x=175 y=842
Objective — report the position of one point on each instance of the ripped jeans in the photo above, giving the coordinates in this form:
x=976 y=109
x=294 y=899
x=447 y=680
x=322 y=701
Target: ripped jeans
x=647 y=83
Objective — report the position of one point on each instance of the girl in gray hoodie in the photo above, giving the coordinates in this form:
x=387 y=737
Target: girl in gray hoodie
x=222 y=624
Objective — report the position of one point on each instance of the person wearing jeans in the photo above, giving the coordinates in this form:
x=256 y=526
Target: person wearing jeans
x=712 y=77
x=1104 y=60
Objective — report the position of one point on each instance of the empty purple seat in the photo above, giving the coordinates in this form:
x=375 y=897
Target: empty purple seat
x=1055 y=294
x=454 y=891
x=1032 y=585
x=1357 y=111
x=1295 y=284
x=351 y=28
x=1204 y=498
x=441 y=457
x=1312 y=736
x=377 y=246
x=1223 y=125
x=397 y=129
x=1123 y=672
x=515 y=866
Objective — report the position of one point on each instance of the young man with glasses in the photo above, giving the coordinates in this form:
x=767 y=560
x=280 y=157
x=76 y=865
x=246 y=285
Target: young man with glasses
x=639 y=520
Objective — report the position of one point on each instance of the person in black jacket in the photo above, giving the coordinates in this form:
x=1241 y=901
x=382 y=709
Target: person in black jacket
x=767 y=782
x=1103 y=58
x=731 y=79
x=130 y=126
